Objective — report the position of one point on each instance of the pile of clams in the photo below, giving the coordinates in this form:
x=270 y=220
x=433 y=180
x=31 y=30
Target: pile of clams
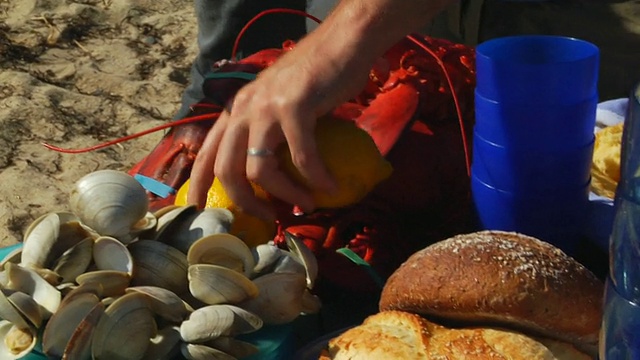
x=110 y=280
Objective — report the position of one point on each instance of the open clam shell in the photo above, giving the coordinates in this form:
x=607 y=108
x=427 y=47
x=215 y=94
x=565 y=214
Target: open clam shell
x=305 y=256
x=182 y=232
x=265 y=257
x=237 y=348
x=29 y=282
x=74 y=261
x=222 y=249
x=111 y=282
x=213 y=284
x=49 y=236
x=9 y=312
x=158 y=264
x=111 y=254
x=110 y=202
x=280 y=297
x=210 y=322
x=27 y=307
x=16 y=343
x=163 y=302
x=125 y=329
x=79 y=345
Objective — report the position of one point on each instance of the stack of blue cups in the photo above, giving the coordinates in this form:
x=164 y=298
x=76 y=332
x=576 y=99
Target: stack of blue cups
x=535 y=102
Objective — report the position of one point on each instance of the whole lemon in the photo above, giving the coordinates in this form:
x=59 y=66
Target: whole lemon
x=252 y=230
x=350 y=155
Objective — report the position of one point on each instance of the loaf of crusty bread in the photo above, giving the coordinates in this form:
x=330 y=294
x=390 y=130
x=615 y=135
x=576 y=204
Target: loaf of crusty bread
x=495 y=278
x=399 y=335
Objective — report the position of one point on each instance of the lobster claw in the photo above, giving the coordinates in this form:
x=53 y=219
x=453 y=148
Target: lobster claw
x=387 y=116
x=169 y=164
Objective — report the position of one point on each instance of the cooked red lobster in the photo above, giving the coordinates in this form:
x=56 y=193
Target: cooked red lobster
x=418 y=108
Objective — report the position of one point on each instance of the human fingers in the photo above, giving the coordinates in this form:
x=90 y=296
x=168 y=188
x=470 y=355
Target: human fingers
x=230 y=169
x=299 y=132
x=202 y=172
x=263 y=167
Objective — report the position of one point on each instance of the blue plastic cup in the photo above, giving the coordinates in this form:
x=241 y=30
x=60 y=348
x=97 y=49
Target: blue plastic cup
x=556 y=216
x=535 y=125
x=537 y=69
x=525 y=170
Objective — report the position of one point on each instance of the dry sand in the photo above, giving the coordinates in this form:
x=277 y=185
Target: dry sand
x=76 y=73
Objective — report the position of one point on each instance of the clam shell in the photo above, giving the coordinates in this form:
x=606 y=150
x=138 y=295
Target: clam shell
x=183 y=232
x=29 y=282
x=265 y=257
x=125 y=329
x=111 y=254
x=165 y=345
x=212 y=321
x=49 y=236
x=112 y=282
x=222 y=249
x=74 y=261
x=158 y=264
x=213 y=284
x=9 y=312
x=163 y=302
x=305 y=256
x=203 y=352
x=279 y=300
x=62 y=324
x=110 y=202
x=234 y=347
x=79 y=345
x=27 y=307
x=16 y=343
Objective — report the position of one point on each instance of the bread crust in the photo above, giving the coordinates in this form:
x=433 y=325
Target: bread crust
x=504 y=279
x=400 y=335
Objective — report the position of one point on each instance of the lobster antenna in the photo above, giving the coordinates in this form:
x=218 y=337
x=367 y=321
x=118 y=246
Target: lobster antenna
x=186 y=120
x=463 y=134
x=234 y=51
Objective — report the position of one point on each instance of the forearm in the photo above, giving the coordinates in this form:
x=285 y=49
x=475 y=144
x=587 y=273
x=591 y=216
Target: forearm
x=369 y=27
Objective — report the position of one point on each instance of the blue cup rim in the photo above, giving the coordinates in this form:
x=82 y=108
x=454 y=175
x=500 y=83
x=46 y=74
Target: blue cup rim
x=595 y=98
x=587 y=49
x=589 y=144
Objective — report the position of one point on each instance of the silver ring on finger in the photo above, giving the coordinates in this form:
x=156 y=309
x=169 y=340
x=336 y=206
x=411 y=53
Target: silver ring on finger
x=257 y=152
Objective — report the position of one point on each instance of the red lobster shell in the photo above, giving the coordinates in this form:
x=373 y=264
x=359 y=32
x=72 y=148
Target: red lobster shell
x=408 y=108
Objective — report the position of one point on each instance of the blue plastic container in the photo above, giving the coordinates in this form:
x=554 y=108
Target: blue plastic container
x=537 y=69
x=533 y=125
x=534 y=171
x=557 y=216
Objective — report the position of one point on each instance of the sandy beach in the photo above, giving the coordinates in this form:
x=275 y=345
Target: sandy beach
x=76 y=73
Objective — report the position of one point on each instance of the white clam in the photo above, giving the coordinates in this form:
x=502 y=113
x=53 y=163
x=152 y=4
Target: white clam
x=213 y=284
x=62 y=325
x=222 y=249
x=265 y=257
x=182 y=232
x=111 y=282
x=210 y=322
x=165 y=345
x=125 y=329
x=111 y=254
x=163 y=302
x=28 y=281
x=158 y=264
x=74 y=261
x=305 y=256
x=16 y=343
x=280 y=298
x=109 y=202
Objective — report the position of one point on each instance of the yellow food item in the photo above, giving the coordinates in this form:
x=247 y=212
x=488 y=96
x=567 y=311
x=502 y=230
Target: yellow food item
x=252 y=230
x=350 y=155
x=605 y=168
